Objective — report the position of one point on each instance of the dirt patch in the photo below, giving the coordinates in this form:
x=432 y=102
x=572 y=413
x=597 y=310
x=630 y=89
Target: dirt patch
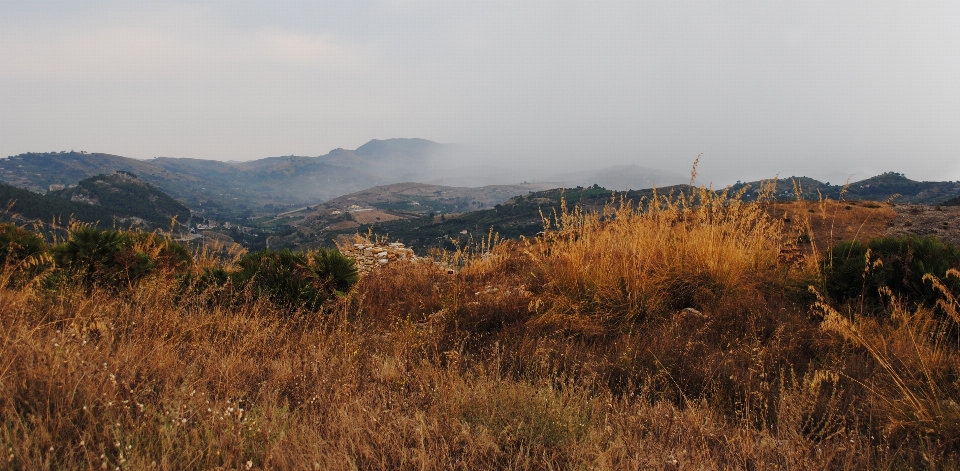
x=834 y=222
x=373 y=216
x=924 y=220
x=343 y=225
x=864 y=220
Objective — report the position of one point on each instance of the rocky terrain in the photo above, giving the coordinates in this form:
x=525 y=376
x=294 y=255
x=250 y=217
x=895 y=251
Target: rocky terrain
x=918 y=219
x=369 y=255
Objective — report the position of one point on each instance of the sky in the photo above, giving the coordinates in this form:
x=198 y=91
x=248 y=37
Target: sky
x=830 y=89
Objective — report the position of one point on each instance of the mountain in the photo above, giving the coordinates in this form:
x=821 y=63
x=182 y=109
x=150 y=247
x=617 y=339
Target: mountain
x=236 y=190
x=118 y=199
x=124 y=195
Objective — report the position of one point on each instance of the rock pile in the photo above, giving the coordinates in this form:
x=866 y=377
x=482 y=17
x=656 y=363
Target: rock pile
x=368 y=256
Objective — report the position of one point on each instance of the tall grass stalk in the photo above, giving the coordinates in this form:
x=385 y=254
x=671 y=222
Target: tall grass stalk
x=699 y=250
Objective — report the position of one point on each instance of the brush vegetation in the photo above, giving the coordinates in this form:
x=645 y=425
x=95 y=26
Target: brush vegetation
x=688 y=330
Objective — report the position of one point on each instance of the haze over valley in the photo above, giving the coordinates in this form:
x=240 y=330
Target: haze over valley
x=389 y=187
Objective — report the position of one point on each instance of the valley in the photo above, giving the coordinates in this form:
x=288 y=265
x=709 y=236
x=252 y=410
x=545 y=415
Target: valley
x=383 y=188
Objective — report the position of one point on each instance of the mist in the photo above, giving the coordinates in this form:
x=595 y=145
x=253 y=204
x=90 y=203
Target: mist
x=822 y=89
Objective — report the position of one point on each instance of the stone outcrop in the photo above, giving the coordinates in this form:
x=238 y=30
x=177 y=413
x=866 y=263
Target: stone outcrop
x=368 y=256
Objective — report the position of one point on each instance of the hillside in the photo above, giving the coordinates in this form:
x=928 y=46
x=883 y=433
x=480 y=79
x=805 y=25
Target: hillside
x=118 y=199
x=26 y=206
x=715 y=340
x=511 y=218
x=523 y=216
x=124 y=195
x=890 y=185
x=955 y=201
x=237 y=190
x=402 y=201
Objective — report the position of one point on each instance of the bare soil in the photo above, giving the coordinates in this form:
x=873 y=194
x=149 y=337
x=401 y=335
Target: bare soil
x=374 y=216
x=862 y=220
x=926 y=220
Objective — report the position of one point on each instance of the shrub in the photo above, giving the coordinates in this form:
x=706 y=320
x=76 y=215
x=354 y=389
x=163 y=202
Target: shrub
x=338 y=269
x=113 y=258
x=856 y=269
x=294 y=279
x=20 y=251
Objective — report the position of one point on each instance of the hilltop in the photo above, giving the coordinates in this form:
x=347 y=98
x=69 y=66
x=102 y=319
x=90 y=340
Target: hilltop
x=892 y=186
x=105 y=200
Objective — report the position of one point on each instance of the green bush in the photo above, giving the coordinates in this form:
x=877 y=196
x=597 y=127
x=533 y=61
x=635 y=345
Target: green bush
x=295 y=279
x=903 y=262
x=113 y=258
x=21 y=251
x=338 y=269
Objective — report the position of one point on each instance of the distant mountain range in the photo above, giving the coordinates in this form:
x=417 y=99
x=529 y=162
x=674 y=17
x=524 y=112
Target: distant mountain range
x=237 y=190
x=296 y=196
x=226 y=190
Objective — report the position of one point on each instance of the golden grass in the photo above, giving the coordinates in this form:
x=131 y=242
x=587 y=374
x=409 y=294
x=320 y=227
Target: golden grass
x=685 y=251
x=676 y=337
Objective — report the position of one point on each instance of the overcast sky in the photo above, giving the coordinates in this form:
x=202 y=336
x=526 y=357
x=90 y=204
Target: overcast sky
x=823 y=89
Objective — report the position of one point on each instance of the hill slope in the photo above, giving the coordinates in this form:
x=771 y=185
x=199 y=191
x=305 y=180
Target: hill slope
x=394 y=202
x=104 y=200
x=23 y=205
x=521 y=215
x=879 y=188
x=122 y=194
x=230 y=190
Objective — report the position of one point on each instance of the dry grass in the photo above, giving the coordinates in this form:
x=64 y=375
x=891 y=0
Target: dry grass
x=671 y=338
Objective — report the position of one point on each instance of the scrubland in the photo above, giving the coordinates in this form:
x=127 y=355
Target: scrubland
x=687 y=332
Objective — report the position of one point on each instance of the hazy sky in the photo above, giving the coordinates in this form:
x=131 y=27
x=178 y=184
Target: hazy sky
x=823 y=89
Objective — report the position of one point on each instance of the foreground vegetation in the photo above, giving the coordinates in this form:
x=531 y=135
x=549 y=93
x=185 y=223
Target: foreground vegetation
x=697 y=333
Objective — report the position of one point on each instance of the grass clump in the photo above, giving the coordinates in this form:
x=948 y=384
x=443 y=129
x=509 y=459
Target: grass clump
x=702 y=250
